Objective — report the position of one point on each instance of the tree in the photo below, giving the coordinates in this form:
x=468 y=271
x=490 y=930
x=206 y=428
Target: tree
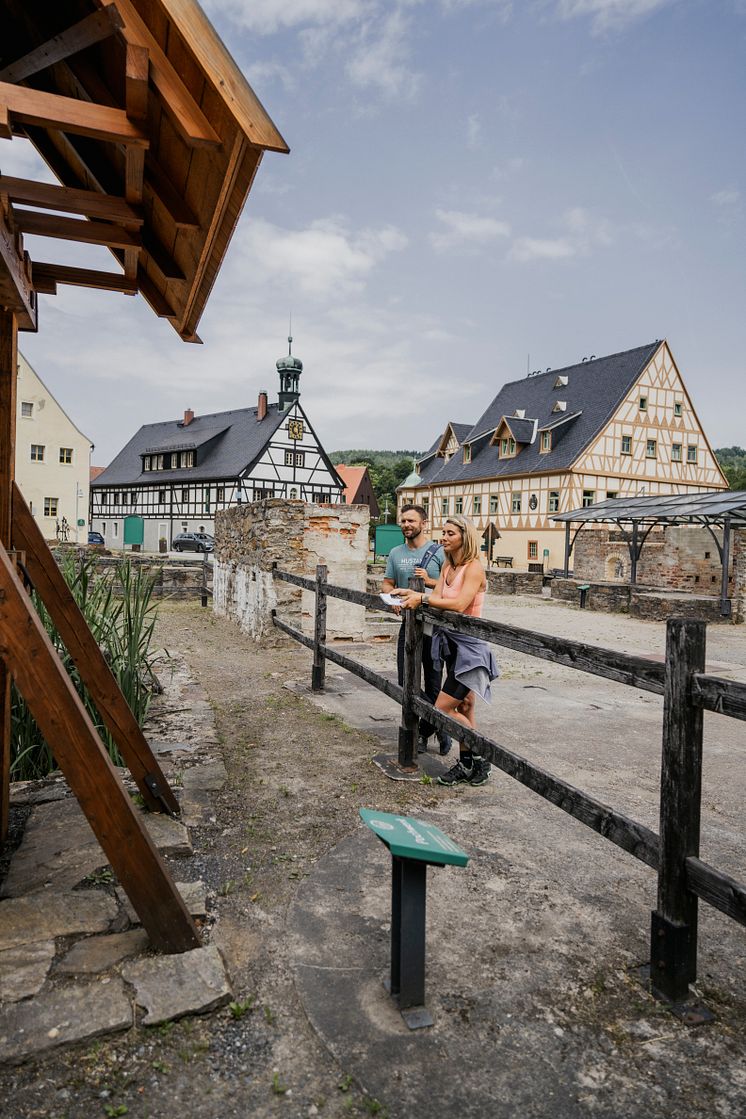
x=733 y=463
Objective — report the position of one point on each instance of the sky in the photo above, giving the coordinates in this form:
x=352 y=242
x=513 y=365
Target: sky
x=475 y=189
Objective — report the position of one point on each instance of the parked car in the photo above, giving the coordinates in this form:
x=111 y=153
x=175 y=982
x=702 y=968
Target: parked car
x=95 y=538
x=193 y=542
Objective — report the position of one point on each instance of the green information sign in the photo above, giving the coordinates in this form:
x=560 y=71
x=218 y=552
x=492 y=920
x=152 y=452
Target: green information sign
x=414 y=839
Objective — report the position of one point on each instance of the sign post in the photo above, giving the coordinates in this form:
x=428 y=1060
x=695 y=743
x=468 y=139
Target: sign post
x=414 y=845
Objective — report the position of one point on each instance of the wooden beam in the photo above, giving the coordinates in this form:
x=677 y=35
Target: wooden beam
x=89 y=660
x=179 y=103
x=83 y=118
x=160 y=184
x=8 y=384
x=46 y=275
x=16 y=290
x=63 y=720
x=92 y=29
x=136 y=106
x=89 y=203
x=73 y=229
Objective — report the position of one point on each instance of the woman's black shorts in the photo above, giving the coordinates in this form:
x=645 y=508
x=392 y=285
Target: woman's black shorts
x=451 y=686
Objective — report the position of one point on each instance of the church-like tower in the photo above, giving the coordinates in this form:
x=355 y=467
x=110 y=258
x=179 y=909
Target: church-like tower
x=290 y=369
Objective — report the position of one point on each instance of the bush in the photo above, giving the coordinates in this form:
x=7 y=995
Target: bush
x=120 y=612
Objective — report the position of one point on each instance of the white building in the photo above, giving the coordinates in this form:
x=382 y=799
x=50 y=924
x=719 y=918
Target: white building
x=52 y=461
x=174 y=475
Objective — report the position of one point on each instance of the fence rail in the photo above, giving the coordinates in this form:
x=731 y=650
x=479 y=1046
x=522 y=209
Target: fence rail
x=687 y=691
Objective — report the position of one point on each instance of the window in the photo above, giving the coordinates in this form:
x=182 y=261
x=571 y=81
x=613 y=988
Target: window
x=220 y=496
x=104 y=499
x=626 y=444
x=493 y=503
x=676 y=452
x=117 y=498
x=610 y=494
x=533 y=549
x=27 y=409
x=37 y=452
x=477 y=506
x=50 y=506
x=133 y=497
x=546 y=441
x=589 y=497
x=157 y=462
x=185 y=494
x=651 y=449
x=161 y=497
x=459 y=505
x=444 y=506
x=515 y=503
x=678 y=408
x=426 y=505
x=554 y=501
x=66 y=455
x=295 y=458
x=643 y=403
x=146 y=462
x=467 y=452
x=186 y=458
x=294 y=494
x=507 y=447
x=260 y=492
x=691 y=452
x=115 y=529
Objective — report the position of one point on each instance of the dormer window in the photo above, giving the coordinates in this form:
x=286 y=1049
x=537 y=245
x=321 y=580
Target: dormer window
x=507 y=446
x=467 y=452
x=561 y=382
x=546 y=442
x=520 y=413
x=559 y=406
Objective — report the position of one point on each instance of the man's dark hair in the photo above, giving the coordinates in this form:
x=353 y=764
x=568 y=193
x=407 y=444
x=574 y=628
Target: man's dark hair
x=419 y=509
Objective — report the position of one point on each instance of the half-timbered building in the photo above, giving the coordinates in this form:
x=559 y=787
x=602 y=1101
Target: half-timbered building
x=176 y=474
x=563 y=439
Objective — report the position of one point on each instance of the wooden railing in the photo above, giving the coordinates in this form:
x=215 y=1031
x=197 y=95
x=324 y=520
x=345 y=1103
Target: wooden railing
x=687 y=692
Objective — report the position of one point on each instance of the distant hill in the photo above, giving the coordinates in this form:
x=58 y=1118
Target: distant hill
x=387 y=469
x=733 y=462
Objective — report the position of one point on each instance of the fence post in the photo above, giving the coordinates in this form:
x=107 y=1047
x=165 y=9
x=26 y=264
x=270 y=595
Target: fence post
x=673 y=938
x=318 y=672
x=412 y=680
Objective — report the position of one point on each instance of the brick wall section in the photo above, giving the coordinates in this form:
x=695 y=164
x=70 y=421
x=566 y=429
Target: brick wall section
x=250 y=538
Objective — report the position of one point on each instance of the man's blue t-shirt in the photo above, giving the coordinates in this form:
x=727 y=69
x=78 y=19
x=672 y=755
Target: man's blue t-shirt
x=402 y=561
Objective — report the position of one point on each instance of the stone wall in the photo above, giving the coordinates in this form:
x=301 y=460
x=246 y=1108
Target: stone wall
x=250 y=538
x=502 y=581
x=183 y=579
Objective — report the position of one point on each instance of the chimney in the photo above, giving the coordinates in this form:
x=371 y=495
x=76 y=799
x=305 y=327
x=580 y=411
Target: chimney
x=188 y=417
x=261 y=408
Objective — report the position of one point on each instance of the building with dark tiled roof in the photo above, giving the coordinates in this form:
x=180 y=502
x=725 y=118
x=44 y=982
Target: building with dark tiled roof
x=558 y=440
x=176 y=474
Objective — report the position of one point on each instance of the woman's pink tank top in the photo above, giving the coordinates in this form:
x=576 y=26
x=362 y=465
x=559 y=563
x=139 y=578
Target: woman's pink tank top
x=474 y=609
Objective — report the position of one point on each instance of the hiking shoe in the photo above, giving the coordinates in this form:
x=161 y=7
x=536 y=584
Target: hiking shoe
x=445 y=744
x=480 y=772
x=421 y=745
x=456 y=774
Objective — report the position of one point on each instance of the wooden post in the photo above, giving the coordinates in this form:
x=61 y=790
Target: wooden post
x=673 y=950
x=318 y=672
x=567 y=549
x=634 y=555
x=412 y=680
x=8 y=382
x=725 y=603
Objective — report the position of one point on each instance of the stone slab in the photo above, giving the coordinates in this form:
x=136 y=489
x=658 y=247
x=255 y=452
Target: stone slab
x=38 y=792
x=24 y=969
x=196 y=808
x=193 y=893
x=169 y=987
x=170 y=836
x=99 y=953
x=77 y=1013
x=211 y=776
x=45 y=916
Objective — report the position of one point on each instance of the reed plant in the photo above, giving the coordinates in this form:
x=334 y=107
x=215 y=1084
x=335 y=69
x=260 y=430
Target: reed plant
x=121 y=613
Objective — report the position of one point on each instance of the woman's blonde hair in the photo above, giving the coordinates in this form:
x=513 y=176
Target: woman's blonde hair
x=469 y=539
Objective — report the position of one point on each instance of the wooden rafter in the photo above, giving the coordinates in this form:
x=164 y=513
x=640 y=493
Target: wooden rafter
x=89 y=660
x=16 y=286
x=89 y=203
x=47 y=276
x=136 y=104
x=50 y=110
x=74 y=229
x=92 y=29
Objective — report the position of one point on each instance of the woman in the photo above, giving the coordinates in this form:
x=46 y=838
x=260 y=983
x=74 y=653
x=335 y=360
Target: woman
x=470 y=665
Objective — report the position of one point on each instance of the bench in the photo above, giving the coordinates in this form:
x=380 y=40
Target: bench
x=503 y=561
x=414 y=845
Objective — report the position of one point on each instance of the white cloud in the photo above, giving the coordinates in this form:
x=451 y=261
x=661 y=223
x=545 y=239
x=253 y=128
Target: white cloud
x=466 y=230
x=380 y=57
x=322 y=260
x=526 y=249
x=265 y=17
x=581 y=234
x=610 y=15
x=726 y=198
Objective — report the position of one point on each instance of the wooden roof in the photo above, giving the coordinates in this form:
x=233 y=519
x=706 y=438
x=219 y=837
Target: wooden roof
x=154 y=135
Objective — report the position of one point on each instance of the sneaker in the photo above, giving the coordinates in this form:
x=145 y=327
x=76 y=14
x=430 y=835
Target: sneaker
x=445 y=744
x=421 y=745
x=456 y=774
x=480 y=772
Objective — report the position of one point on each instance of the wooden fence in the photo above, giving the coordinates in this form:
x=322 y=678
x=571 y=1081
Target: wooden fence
x=687 y=690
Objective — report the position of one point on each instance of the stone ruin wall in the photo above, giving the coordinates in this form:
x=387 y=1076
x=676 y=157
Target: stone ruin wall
x=297 y=536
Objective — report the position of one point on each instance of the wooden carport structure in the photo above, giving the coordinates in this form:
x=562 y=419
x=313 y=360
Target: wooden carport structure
x=155 y=138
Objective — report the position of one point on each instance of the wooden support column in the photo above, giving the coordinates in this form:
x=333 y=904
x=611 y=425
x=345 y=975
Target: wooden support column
x=318 y=672
x=63 y=720
x=673 y=949
x=412 y=681
x=8 y=381
x=89 y=660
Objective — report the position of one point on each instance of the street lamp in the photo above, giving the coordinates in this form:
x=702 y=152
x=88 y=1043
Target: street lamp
x=78 y=494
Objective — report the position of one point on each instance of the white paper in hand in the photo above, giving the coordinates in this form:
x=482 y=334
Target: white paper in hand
x=391 y=599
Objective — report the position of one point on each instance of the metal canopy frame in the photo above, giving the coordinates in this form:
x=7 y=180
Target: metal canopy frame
x=636 y=517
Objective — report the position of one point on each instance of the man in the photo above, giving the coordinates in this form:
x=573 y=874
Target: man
x=417 y=556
